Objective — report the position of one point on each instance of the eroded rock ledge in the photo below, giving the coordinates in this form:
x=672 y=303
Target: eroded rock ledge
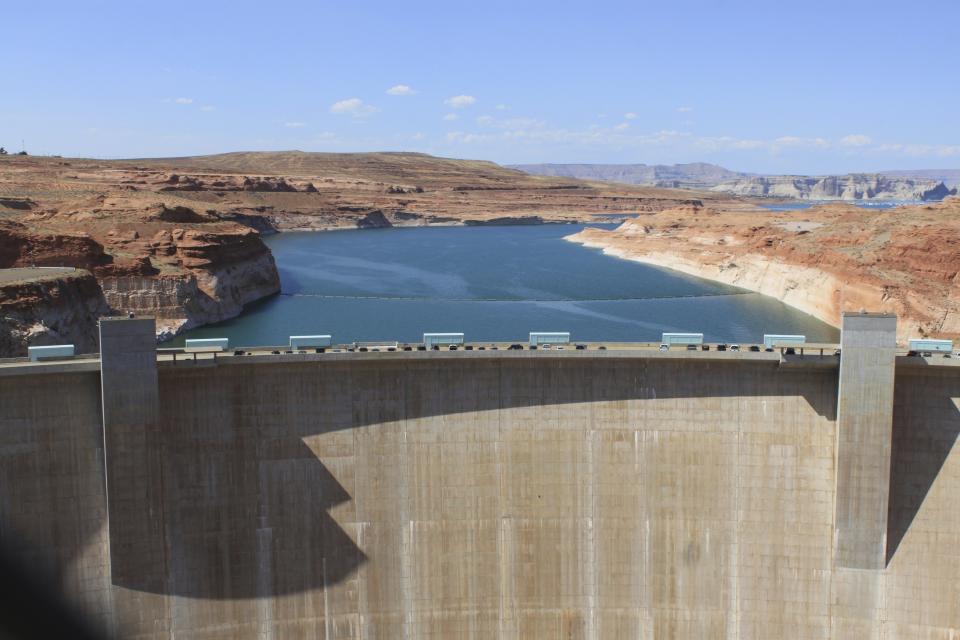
x=180 y=238
x=55 y=309
x=185 y=275
x=823 y=260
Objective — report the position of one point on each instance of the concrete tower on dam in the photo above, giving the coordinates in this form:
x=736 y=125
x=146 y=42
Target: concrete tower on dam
x=618 y=493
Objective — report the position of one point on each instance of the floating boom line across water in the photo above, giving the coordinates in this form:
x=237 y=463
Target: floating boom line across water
x=429 y=299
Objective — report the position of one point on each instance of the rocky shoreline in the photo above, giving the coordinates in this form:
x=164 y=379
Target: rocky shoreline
x=822 y=261
x=806 y=289
x=181 y=239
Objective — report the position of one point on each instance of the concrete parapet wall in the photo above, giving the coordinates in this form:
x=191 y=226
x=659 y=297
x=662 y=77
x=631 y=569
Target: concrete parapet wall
x=513 y=497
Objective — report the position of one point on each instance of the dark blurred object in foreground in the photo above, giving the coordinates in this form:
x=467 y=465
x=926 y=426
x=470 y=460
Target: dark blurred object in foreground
x=31 y=607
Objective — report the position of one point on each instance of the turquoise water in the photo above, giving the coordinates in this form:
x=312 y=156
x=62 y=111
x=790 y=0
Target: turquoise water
x=491 y=283
x=865 y=204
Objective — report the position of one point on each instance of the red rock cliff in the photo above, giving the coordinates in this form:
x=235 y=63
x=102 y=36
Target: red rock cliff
x=56 y=309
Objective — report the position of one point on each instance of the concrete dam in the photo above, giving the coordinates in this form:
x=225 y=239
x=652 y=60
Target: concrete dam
x=597 y=493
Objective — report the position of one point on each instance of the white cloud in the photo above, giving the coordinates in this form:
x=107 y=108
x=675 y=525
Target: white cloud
x=401 y=90
x=354 y=107
x=630 y=116
x=459 y=102
x=502 y=107
x=467 y=138
x=451 y=116
x=685 y=109
x=728 y=143
x=294 y=125
x=788 y=141
x=208 y=107
x=528 y=132
x=855 y=140
x=919 y=150
x=594 y=135
x=510 y=124
x=184 y=100
x=797 y=142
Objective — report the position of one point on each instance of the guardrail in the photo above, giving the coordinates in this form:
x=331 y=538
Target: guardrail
x=206 y=348
x=177 y=354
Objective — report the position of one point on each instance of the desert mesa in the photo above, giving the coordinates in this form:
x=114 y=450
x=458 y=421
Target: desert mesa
x=181 y=238
x=823 y=260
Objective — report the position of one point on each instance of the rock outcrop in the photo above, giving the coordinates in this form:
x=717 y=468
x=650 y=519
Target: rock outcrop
x=20 y=246
x=186 y=274
x=693 y=175
x=177 y=182
x=848 y=187
x=374 y=220
x=893 y=185
x=57 y=309
x=203 y=276
x=180 y=238
x=823 y=261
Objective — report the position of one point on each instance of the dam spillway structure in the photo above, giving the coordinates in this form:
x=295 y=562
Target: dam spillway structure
x=622 y=492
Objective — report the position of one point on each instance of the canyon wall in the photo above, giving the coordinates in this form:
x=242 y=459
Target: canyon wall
x=847 y=187
x=892 y=185
x=822 y=261
x=513 y=495
x=50 y=309
x=808 y=289
x=178 y=238
x=188 y=274
x=693 y=175
x=209 y=276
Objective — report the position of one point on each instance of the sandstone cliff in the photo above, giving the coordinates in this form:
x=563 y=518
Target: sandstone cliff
x=55 y=309
x=886 y=185
x=823 y=261
x=848 y=187
x=185 y=274
x=691 y=175
x=199 y=276
x=179 y=238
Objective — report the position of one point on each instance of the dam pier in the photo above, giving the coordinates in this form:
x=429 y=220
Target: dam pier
x=609 y=491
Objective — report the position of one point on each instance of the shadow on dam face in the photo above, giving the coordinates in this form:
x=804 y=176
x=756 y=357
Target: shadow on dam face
x=284 y=478
x=926 y=424
x=245 y=500
x=243 y=521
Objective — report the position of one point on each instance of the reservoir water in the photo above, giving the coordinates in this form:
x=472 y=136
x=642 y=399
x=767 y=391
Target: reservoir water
x=491 y=283
x=878 y=205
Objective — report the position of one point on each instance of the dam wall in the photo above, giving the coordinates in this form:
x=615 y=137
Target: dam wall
x=596 y=494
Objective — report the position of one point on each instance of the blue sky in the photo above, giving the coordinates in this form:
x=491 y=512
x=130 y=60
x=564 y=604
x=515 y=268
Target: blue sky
x=805 y=87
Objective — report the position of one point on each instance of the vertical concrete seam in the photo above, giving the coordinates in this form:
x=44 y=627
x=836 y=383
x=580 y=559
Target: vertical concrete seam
x=103 y=434
x=735 y=552
x=502 y=545
x=591 y=537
